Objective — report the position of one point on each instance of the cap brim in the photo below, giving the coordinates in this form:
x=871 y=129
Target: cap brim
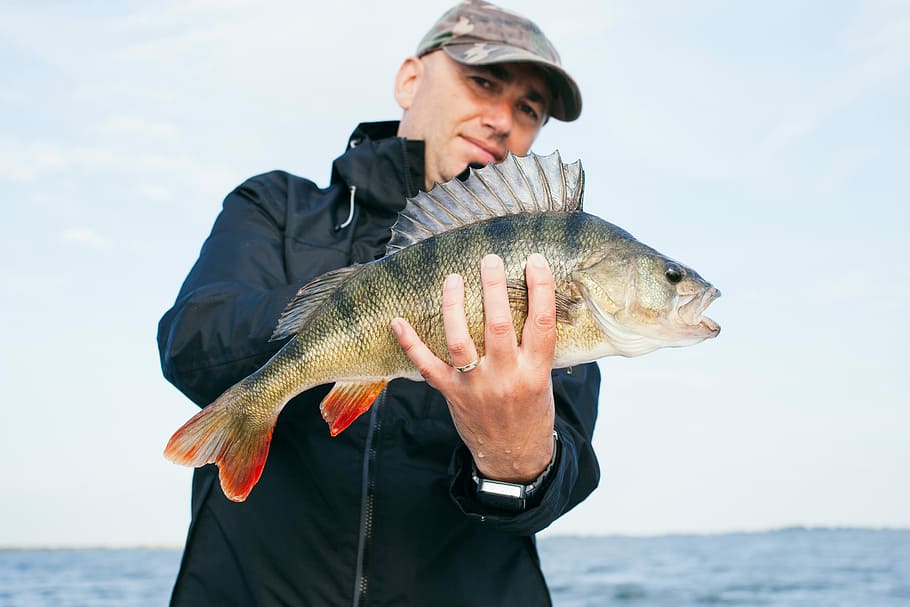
x=566 y=102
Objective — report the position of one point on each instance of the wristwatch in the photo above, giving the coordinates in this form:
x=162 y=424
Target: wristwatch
x=513 y=497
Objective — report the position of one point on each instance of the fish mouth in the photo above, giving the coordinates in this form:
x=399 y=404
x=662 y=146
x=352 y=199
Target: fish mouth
x=691 y=311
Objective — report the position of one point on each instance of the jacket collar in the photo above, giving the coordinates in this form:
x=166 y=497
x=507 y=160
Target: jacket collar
x=385 y=168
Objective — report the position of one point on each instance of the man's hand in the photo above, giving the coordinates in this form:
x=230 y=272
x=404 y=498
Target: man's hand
x=503 y=408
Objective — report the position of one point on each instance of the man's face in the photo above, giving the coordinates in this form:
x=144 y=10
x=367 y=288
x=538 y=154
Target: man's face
x=469 y=114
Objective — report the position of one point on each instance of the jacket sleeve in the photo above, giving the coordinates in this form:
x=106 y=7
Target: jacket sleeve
x=218 y=330
x=575 y=474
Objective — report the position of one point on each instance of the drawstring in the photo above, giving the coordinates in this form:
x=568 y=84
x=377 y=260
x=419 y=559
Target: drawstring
x=347 y=221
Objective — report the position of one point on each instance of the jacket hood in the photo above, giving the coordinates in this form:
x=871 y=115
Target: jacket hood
x=386 y=169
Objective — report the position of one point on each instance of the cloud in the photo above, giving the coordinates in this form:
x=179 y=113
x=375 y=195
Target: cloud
x=878 y=52
x=732 y=110
x=85 y=237
x=25 y=160
x=153 y=175
x=10 y=96
x=153 y=192
x=136 y=127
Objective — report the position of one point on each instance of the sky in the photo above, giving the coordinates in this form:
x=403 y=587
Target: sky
x=764 y=144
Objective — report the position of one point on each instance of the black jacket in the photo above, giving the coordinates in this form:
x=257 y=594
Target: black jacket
x=384 y=513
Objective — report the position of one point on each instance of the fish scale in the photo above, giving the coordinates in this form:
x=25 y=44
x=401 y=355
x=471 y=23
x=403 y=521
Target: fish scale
x=615 y=296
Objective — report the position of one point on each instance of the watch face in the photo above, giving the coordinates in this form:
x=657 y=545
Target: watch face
x=507 y=490
x=501 y=496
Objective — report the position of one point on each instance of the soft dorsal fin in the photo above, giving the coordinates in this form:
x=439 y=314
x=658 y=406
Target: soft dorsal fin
x=519 y=184
x=308 y=298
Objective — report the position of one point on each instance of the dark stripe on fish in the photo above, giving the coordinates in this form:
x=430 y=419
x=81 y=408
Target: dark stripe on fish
x=345 y=306
x=499 y=232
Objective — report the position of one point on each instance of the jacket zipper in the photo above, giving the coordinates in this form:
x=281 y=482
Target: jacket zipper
x=366 y=503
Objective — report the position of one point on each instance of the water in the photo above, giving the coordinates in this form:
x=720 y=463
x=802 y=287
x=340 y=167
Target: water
x=87 y=578
x=791 y=568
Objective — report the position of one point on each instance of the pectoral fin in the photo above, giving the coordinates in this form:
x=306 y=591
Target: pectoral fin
x=347 y=401
x=566 y=305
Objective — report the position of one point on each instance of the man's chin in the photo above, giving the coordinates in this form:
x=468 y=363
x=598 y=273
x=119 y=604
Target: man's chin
x=464 y=174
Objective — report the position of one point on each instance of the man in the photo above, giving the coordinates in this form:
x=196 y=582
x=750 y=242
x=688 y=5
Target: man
x=406 y=506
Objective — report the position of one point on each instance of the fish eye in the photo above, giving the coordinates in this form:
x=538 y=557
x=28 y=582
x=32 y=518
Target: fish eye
x=674 y=273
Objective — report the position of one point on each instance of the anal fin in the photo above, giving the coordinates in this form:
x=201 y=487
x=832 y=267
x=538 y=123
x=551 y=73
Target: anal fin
x=347 y=401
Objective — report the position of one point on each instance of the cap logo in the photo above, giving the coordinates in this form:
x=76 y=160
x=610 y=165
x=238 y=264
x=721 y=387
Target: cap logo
x=464 y=26
x=478 y=52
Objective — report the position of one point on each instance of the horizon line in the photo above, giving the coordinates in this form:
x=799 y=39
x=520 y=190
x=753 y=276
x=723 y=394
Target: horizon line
x=540 y=536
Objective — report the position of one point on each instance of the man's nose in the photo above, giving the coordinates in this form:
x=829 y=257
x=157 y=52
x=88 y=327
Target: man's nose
x=498 y=116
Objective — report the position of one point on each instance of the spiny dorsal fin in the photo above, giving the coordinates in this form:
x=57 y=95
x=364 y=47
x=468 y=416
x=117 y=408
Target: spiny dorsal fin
x=308 y=298
x=519 y=184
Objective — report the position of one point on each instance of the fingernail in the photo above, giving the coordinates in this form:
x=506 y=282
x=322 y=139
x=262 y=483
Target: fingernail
x=396 y=327
x=451 y=281
x=491 y=261
x=537 y=260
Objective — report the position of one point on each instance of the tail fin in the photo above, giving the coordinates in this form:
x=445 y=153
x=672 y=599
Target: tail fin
x=231 y=432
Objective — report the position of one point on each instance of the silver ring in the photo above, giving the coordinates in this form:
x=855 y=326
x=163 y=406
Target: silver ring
x=468 y=366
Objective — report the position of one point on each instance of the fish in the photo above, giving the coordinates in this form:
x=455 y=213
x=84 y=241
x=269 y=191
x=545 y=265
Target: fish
x=614 y=296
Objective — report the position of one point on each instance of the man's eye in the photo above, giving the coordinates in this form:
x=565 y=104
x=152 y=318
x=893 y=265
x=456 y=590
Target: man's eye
x=530 y=111
x=482 y=82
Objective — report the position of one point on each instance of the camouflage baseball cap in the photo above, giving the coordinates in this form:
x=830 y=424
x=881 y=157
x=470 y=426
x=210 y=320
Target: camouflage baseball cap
x=475 y=32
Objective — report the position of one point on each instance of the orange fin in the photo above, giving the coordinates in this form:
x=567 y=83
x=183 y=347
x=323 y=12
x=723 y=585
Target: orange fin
x=231 y=433
x=347 y=401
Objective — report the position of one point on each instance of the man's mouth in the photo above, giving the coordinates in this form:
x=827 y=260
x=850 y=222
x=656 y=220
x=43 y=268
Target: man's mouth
x=488 y=152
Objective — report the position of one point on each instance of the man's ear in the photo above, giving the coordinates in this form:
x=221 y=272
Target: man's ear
x=406 y=82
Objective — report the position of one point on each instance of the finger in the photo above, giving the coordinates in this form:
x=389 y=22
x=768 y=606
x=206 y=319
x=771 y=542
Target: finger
x=538 y=339
x=499 y=334
x=458 y=339
x=428 y=364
